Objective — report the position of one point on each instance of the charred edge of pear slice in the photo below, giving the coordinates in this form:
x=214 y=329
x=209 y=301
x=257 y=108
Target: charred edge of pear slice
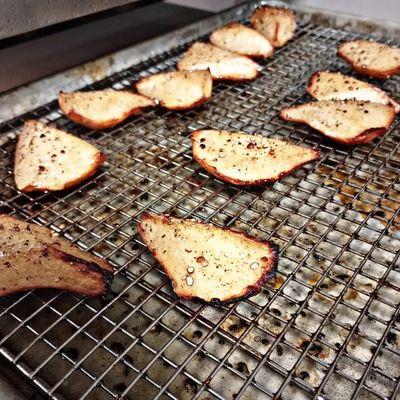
x=251 y=290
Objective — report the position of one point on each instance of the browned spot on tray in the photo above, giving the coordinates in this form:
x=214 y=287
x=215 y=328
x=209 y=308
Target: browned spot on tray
x=336 y=177
x=323 y=170
x=355 y=342
x=359 y=205
x=347 y=192
x=389 y=207
x=345 y=200
x=351 y=294
x=391 y=204
x=271 y=324
x=302 y=344
x=323 y=299
x=340 y=176
x=396 y=226
x=356 y=181
x=375 y=188
x=389 y=174
x=234 y=325
x=314 y=279
x=350 y=190
x=319 y=351
x=316 y=349
x=348 y=199
x=276 y=282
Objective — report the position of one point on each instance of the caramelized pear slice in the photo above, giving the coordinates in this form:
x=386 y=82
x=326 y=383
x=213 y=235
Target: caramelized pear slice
x=34 y=257
x=177 y=90
x=276 y=24
x=371 y=58
x=327 y=85
x=240 y=39
x=221 y=63
x=243 y=159
x=206 y=262
x=346 y=121
x=101 y=109
x=47 y=158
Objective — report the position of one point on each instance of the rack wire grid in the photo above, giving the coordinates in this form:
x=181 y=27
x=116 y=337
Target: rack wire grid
x=327 y=326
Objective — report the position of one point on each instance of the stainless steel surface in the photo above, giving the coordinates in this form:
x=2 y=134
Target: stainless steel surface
x=66 y=48
x=372 y=9
x=15 y=386
x=22 y=16
x=326 y=328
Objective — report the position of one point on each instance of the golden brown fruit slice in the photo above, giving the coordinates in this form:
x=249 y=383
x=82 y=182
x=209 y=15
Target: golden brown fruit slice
x=276 y=24
x=244 y=159
x=101 y=109
x=242 y=40
x=346 y=121
x=33 y=257
x=222 y=64
x=47 y=158
x=327 y=85
x=177 y=90
x=207 y=262
x=371 y=58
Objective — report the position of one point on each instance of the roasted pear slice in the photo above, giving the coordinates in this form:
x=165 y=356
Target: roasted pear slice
x=34 y=257
x=101 y=109
x=276 y=24
x=371 y=58
x=244 y=159
x=327 y=85
x=207 y=262
x=222 y=64
x=346 y=121
x=47 y=158
x=242 y=40
x=177 y=90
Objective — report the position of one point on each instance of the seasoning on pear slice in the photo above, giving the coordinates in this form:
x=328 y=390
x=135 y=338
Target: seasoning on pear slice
x=102 y=109
x=327 y=85
x=177 y=90
x=206 y=262
x=243 y=159
x=276 y=24
x=47 y=158
x=34 y=257
x=371 y=58
x=241 y=39
x=221 y=63
x=346 y=121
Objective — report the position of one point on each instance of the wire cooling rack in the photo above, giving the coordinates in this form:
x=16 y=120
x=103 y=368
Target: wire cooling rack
x=327 y=327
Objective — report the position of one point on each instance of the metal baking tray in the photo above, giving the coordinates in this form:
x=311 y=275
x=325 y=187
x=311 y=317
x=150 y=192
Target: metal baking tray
x=327 y=327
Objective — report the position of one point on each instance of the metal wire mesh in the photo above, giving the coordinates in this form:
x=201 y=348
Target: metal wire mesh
x=326 y=327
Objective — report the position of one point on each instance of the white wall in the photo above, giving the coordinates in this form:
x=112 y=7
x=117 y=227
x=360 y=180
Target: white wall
x=372 y=9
